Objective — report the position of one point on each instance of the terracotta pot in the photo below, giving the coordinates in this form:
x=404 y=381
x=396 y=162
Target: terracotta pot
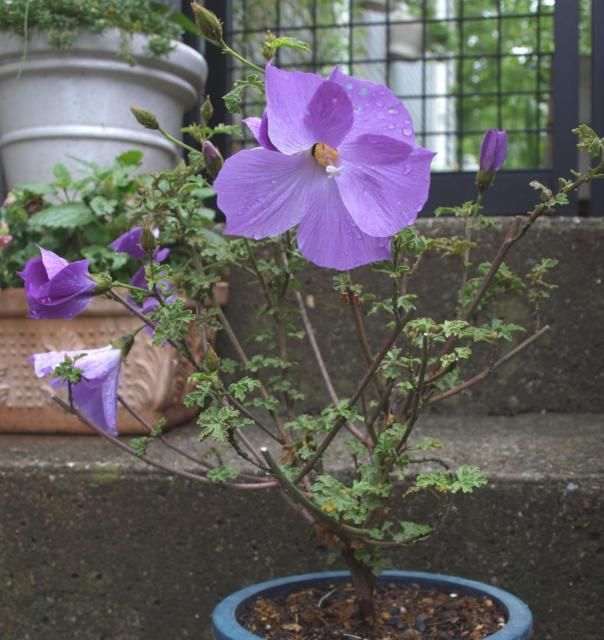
x=153 y=380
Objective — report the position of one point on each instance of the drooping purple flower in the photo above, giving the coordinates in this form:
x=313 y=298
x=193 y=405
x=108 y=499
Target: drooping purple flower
x=130 y=243
x=337 y=158
x=493 y=150
x=95 y=395
x=55 y=288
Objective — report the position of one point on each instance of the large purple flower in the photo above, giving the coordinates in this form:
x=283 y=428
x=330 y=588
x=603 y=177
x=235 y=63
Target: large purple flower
x=337 y=158
x=55 y=288
x=96 y=393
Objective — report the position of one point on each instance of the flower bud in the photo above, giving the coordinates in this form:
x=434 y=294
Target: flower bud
x=102 y=281
x=268 y=47
x=212 y=157
x=124 y=344
x=207 y=109
x=146 y=118
x=148 y=240
x=207 y=23
x=212 y=360
x=492 y=155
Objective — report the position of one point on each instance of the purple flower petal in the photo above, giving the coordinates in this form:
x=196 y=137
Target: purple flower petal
x=52 y=262
x=259 y=129
x=329 y=116
x=57 y=309
x=329 y=237
x=130 y=243
x=264 y=193
x=288 y=94
x=253 y=124
x=384 y=198
x=96 y=394
x=376 y=109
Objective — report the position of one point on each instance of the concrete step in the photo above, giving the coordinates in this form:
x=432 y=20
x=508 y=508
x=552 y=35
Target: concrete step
x=96 y=545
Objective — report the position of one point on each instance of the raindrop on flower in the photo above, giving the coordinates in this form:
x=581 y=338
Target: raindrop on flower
x=407 y=132
x=358 y=108
x=379 y=103
x=393 y=110
x=363 y=91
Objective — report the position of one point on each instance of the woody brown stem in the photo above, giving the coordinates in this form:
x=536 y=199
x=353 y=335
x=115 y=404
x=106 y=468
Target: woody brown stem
x=485 y=373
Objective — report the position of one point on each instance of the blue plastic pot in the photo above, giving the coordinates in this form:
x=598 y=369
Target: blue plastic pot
x=519 y=625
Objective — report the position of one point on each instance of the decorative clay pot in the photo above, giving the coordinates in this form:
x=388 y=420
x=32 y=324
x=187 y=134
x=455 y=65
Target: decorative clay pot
x=56 y=105
x=224 y=618
x=153 y=380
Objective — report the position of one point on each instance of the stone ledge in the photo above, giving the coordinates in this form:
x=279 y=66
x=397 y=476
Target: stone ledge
x=94 y=545
x=528 y=447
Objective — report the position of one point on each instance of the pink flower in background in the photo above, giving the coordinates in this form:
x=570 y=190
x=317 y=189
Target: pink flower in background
x=5 y=237
x=95 y=395
x=337 y=158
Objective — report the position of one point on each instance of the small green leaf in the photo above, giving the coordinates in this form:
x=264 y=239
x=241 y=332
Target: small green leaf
x=130 y=158
x=70 y=215
x=222 y=474
x=234 y=97
x=36 y=188
x=62 y=175
x=468 y=479
x=289 y=43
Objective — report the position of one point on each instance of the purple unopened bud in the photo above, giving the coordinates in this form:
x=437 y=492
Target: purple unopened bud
x=212 y=157
x=492 y=155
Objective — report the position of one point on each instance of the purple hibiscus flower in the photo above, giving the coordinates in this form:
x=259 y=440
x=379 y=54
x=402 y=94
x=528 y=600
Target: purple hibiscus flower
x=130 y=243
x=96 y=393
x=337 y=158
x=55 y=288
x=493 y=150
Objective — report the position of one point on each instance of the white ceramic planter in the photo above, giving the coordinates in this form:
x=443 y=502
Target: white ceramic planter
x=60 y=103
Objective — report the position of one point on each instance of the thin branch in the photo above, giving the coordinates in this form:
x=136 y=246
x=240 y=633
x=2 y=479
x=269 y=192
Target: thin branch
x=244 y=360
x=321 y=365
x=168 y=443
x=359 y=326
x=485 y=373
x=339 y=423
x=417 y=394
x=124 y=447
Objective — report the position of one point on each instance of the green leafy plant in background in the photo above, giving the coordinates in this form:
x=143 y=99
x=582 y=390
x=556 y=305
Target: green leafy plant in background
x=62 y=20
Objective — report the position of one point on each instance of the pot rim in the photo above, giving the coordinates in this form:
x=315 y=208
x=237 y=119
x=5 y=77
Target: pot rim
x=519 y=618
x=183 y=61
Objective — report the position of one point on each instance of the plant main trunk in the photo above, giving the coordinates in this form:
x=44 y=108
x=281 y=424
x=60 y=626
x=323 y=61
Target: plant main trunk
x=363 y=582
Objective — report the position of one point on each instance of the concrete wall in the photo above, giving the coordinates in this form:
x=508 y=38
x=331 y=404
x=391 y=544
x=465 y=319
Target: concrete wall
x=562 y=372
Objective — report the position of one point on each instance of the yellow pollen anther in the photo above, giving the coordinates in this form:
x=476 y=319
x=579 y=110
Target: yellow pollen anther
x=325 y=155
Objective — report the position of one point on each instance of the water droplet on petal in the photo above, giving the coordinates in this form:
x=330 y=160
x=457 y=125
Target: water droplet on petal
x=391 y=125
x=393 y=110
x=349 y=86
x=363 y=91
x=407 y=131
x=406 y=171
x=334 y=100
x=379 y=103
x=358 y=108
